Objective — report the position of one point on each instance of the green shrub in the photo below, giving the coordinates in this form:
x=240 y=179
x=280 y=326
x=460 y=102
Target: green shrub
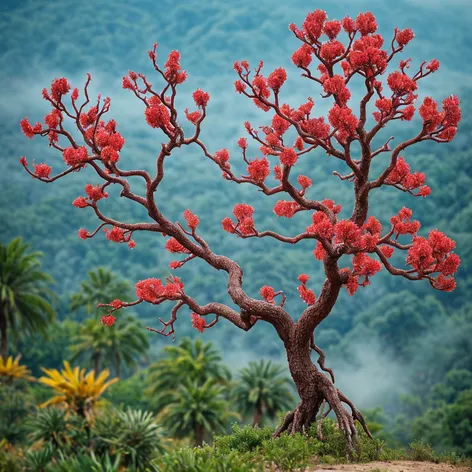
x=420 y=451
x=290 y=452
x=242 y=439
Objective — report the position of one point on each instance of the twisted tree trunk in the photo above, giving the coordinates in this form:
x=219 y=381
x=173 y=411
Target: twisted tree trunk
x=314 y=387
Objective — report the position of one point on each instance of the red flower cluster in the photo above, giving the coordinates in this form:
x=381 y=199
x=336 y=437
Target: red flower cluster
x=192 y=219
x=302 y=56
x=316 y=127
x=95 y=193
x=343 y=119
x=288 y=156
x=198 y=322
x=193 y=117
x=322 y=226
x=259 y=169
x=336 y=85
x=402 y=224
x=286 y=208
x=367 y=55
x=80 y=202
x=400 y=83
x=173 y=72
x=304 y=181
x=74 y=157
x=174 y=246
x=401 y=175
x=28 y=130
x=403 y=37
x=267 y=293
x=59 y=87
x=306 y=294
x=108 y=320
x=366 y=23
x=201 y=98
x=53 y=118
x=222 y=157
x=277 y=78
x=117 y=235
x=42 y=171
x=330 y=50
x=157 y=115
x=152 y=290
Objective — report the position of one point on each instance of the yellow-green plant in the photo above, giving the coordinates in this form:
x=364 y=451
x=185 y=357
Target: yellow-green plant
x=11 y=370
x=76 y=390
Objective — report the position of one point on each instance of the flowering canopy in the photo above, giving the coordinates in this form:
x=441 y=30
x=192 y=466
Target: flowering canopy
x=344 y=50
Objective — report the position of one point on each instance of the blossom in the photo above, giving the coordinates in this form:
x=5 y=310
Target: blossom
x=343 y=119
x=116 y=234
x=332 y=28
x=59 y=87
x=302 y=56
x=303 y=278
x=433 y=66
x=193 y=117
x=95 y=193
x=349 y=25
x=316 y=127
x=108 y=320
x=228 y=225
x=82 y=234
x=403 y=37
x=366 y=23
x=444 y=284
x=192 y=219
x=80 y=202
x=304 y=181
x=42 y=171
x=53 y=118
x=267 y=293
x=286 y=208
x=321 y=226
x=306 y=294
x=28 y=130
x=336 y=85
x=242 y=143
x=259 y=169
x=276 y=79
x=401 y=83
x=109 y=154
x=331 y=205
x=172 y=245
x=288 y=156
x=313 y=24
x=73 y=156
x=241 y=211
x=347 y=232
x=150 y=290
x=222 y=156
x=362 y=264
x=157 y=116
x=319 y=252
x=201 y=98
x=198 y=322
x=331 y=50
x=239 y=86
x=402 y=224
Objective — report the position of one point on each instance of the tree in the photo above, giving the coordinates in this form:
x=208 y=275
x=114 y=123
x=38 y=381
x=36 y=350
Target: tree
x=352 y=249
x=102 y=284
x=196 y=410
x=191 y=360
x=262 y=391
x=123 y=343
x=24 y=293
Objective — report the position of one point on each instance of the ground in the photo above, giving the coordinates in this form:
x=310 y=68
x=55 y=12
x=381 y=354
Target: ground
x=394 y=466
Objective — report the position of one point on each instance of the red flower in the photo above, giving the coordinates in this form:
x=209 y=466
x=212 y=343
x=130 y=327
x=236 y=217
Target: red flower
x=28 y=130
x=332 y=28
x=258 y=169
x=402 y=224
x=319 y=252
x=150 y=290
x=198 y=322
x=366 y=23
x=313 y=24
x=192 y=220
x=108 y=320
x=403 y=37
x=82 y=233
x=302 y=56
x=42 y=171
x=59 y=87
x=277 y=78
x=73 y=157
x=95 y=193
x=228 y=225
x=157 y=116
x=80 y=202
x=303 y=278
x=116 y=234
x=304 y=181
x=267 y=293
x=286 y=208
x=288 y=156
x=307 y=295
x=201 y=98
x=174 y=246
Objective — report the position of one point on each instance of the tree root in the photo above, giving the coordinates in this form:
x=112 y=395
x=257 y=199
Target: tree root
x=300 y=419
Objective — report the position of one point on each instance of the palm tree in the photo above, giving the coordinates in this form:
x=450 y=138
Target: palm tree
x=196 y=410
x=24 y=293
x=121 y=343
x=102 y=286
x=262 y=391
x=191 y=360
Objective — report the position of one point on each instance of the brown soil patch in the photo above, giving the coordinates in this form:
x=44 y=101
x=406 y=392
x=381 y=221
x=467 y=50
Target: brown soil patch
x=394 y=466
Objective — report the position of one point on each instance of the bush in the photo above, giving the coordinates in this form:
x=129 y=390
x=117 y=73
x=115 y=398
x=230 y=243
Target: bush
x=420 y=451
x=289 y=453
x=242 y=439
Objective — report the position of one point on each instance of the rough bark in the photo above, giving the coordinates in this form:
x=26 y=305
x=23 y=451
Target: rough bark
x=314 y=387
x=198 y=434
x=258 y=415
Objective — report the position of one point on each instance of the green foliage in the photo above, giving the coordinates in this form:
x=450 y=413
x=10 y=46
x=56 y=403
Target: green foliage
x=420 y=451
x=134 y=434
x=191 y=360
x=242 y=439
x=123 y=343
x=289 y=453
x=197 y=410
x=25 y=296
x=262 y=391
x=102 y=286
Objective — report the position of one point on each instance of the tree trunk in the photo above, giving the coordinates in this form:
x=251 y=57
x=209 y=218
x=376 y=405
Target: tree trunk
x=198 y=434
x=258 y=415
x=3 y=332
x=314 y=387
